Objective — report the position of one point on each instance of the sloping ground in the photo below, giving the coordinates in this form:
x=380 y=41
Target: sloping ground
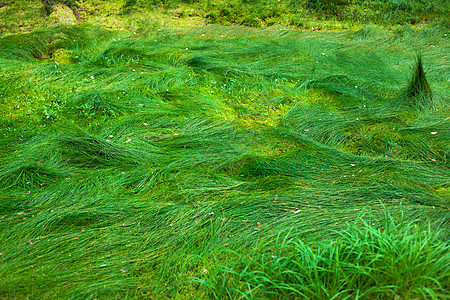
x=133 y=163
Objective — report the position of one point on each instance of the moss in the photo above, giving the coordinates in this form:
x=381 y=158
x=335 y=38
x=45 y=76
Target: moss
x=62 y=56
x=62 y=14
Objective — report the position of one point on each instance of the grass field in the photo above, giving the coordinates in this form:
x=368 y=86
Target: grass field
x=224 y=162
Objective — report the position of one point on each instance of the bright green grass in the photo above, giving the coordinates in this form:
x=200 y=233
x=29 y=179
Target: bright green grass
x=138 y=166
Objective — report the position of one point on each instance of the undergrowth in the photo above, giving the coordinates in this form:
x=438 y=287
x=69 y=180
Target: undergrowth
x=19 y=16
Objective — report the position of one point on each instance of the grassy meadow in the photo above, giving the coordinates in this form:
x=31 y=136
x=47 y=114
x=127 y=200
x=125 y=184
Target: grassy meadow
x=224 y=162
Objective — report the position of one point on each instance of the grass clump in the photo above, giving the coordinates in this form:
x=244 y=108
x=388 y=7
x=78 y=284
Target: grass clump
x=419 y=92
x=397 y=259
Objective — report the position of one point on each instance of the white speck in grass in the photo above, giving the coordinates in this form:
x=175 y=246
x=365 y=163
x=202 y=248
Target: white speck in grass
x=187 y=48
x=122 y=270
x=211 y=213
x=352 y=165
x=102 y=266
x=434 y=132
x=170 y=225
x=92 y=77
x=297 y=211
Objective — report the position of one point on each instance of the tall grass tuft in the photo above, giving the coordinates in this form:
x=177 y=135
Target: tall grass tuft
x=397 y=259
x=419 y=92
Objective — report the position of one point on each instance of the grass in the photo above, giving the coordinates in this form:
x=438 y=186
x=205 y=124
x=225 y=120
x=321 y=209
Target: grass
x=223 y=162
x=419 y=90
x=362 y=262
x=20 y=16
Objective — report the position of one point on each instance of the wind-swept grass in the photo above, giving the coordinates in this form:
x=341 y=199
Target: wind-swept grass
x=140 y=161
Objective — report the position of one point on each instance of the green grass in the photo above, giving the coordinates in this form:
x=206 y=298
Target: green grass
x=20 y=16
x=398 y=259
x=223 y=162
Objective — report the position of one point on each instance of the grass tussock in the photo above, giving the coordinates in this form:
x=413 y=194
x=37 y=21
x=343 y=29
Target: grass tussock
x=419 y=91
x=400 y=258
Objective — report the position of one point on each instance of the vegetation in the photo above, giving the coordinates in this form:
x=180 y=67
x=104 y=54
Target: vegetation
x=222 y=161
x=141 y=15
x=419 y=91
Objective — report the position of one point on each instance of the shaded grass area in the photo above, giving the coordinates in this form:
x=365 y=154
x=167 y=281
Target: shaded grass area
x=19 y=16
x=222 y=163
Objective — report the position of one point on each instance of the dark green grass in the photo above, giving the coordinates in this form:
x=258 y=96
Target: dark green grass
x=138 y=162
